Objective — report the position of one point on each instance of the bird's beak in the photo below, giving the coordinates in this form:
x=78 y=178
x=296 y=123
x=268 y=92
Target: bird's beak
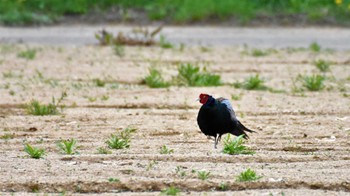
x=198 y=99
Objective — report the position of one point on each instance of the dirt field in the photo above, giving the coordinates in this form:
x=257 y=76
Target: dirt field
x=302 y=142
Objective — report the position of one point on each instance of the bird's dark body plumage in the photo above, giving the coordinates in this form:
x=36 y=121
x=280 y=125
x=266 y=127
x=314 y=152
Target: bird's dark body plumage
x=217 y=117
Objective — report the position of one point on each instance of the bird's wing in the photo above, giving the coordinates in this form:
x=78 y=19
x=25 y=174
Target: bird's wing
x=228 y=105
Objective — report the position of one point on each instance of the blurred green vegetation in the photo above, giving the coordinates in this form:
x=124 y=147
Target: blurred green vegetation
x=24 y=12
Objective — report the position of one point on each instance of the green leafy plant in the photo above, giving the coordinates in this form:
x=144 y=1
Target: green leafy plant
x=34 y=152
x=27 y=54
x=119 y=50
x=235 y=146
x=314 y=82
x=104 y=37
x=165 y=43
x=322 y=65
x=103 y=150
x=120 y=140
x=165 y=150
x=68 y=146
x=39 y=109
x=252 y=83
x=315 y=47
x=179 y=171
x=116 y=142
x=99 y=83
x=7 y=136
x=151 y=164
x=247 y=176
x=223 y=186
x=171 y=191
x=191 y=75
x=258 y=52
x=113 y=180
x=155 y=80
x=203 y=175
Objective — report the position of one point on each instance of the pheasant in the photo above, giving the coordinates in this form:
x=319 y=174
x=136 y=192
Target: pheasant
x=217 y=117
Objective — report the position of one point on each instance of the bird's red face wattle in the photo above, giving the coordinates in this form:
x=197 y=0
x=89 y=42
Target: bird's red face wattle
x=203 y=98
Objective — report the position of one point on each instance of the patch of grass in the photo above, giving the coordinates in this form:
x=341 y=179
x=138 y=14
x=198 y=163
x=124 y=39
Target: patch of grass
x=315 y=47
x=252 y=83
x=322 y=65
x=235 y=146
x=104 y=97
x=8 y=74
x=92 y=99
x=155 y=80
x=151 y=164
x=99 y=83
x=179 y=171
x=165 y=43
x=47 y=12
x=113 y=180
x=165 y=150
x=103 y=150
x=171 y=191
x=248 y=176
x=119 y=50
x=28 y=54
x=116 y=142
x=203 y=175
x=259 y=52
x=39 y=109
x=223 y=186
x=7 y=136
x=68 y=146
x=191 y=75
x=33 y=152
x=314 y=82
x=237 y=97
x=120 y=140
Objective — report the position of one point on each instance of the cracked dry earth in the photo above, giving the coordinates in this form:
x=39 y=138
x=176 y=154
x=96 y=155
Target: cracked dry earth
x=302 y=141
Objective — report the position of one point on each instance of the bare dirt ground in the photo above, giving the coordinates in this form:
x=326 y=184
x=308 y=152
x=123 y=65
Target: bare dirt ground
x=302 y=141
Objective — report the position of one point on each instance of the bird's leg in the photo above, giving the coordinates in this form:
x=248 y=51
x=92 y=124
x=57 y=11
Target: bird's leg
x=215 y=141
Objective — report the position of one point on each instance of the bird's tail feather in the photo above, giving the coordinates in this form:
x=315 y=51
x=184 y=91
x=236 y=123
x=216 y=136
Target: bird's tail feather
x=242 y=128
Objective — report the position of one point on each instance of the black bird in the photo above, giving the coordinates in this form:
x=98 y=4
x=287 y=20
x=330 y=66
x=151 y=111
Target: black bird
x=216 y=117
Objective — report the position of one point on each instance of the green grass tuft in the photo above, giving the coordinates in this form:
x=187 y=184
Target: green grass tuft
x=39 y=109
x=116 y=142
x=33 y=152
x=27 y=54
x=314 y=82
x=315 y=47
x=165 y=43
x=7 y=136
x=120 y=140
x=99 y=83
x=113 y=180
x=103 y=150
x=68 y=146
x=119 y=50
x=155 y=79
x=191 y=75
x=252 y=83
x=235 y=146
x=171 y=191
x=165 y=150
x=247 y=176
x=203 y=175
x=322 y=65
